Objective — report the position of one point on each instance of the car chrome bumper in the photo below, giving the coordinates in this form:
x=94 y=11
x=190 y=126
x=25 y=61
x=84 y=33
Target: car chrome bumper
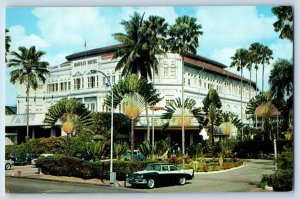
x=136 y=181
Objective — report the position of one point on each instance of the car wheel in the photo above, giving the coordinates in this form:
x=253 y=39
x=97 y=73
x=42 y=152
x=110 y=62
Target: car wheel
x=182 y=180
x=150 y=184
x=7 y=166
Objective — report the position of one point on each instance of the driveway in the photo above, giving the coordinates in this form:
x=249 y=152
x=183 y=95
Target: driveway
x=244 y=179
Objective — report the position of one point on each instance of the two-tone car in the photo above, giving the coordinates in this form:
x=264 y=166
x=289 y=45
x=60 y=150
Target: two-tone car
x=159 y=174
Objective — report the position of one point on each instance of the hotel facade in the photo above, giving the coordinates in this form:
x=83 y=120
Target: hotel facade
x=77 y=77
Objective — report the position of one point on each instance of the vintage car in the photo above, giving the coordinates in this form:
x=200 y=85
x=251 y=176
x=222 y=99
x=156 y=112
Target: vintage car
x=43 y=155
x=8 y=164
x=159 y=174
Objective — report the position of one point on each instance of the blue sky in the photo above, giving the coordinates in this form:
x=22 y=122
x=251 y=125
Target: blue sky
x=62 y=31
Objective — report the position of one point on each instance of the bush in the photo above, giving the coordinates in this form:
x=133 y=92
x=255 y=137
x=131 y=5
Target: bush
x=267 y=179
x=286 y=159
x=70 y=166
x=283 y=180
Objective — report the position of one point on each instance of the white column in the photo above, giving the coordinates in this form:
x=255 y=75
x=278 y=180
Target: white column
x=33 y=133
x=52 y=134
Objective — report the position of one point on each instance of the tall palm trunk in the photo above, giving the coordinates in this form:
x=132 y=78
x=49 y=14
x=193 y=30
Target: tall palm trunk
x=256 y=83
x=242 y=98
x=263 y=75
x=182 y=107
x=132 y=139
x=255 y=95
x=148 y=126
x=250 y=83
x=27 y=107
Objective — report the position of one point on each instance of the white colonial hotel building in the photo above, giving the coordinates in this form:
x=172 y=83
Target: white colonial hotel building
x=76 y=78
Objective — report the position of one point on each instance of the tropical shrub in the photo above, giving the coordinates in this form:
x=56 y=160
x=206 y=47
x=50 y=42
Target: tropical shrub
x=70 y=166
x=283 y=180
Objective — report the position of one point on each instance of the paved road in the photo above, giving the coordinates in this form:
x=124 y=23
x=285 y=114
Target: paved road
x=22 y=185
x=244 y=179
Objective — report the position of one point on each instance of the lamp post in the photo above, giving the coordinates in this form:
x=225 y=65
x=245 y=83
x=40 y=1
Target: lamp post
x=112 y=174
x=154 y=108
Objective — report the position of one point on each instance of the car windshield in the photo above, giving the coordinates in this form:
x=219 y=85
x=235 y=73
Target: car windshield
x=153 y=168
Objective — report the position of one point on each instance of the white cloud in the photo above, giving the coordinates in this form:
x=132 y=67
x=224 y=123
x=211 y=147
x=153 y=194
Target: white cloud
x=21 y=39
x=235 y=26
x=166 y=12
x=70 y=27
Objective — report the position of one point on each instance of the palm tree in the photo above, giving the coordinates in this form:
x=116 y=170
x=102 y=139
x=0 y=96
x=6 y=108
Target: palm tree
x=72 y=114
x=154 y=32
x=134 y=105
x=255 y=50
x=130 y=61
x=143 y=41
x=30 y=71
x=211 y=105
x=184 y=39
x=281 y=79
x=240 y=60
x=7 y=43
x=282 y=88
x=130 y=85
x=266 y=110
x=265 y=56
x=173 y=110
x=285 y=21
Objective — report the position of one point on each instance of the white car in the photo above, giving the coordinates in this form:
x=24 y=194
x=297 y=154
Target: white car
x=9 y=164
x=43 y=155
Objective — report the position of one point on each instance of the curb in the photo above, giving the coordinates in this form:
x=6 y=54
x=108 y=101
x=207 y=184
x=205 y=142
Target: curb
x=221 y=171
x=33 y=177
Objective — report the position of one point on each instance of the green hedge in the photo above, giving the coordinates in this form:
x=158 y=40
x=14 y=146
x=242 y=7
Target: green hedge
x=70 y=166
x=257 y=149
x=283 y=180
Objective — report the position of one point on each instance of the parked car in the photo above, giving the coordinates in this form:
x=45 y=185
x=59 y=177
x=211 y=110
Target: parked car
x=19 y=159
x=22 y=159
x=83 y=155
x=159 y=174
x=43 y=155
x=136 y=154
x=30 y=157
x=8 y=164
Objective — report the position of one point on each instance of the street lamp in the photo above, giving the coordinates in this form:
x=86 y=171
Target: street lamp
x=154 y=108
x=112 y=175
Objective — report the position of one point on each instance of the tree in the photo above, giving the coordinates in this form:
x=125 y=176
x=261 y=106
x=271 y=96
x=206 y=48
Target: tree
x=134 y=105
x=130 y=58
x=69 y=111
x=282 y=88
x=240 y=60
x=7 y=43
x=184 y=39
x=173 y=112
x=102 y=122
x=255 y=50
x=143 y=40
x=281 y=80
x=285 y=24
x=133 y=84
x=72 y=114
x=211 y=106
x=212 y=98
x=265 y=57
x=30 y=70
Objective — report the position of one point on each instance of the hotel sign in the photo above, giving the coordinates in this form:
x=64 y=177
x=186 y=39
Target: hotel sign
x=83 y=63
